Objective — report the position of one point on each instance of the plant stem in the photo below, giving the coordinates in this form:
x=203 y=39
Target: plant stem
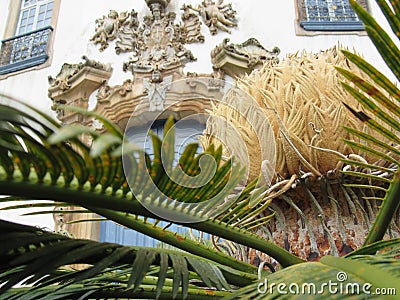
x=175 y=240
x=248 y=239
x=88 y=199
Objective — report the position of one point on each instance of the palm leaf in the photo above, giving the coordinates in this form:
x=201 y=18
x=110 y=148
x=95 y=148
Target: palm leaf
x=112 y=128
x=46 y=253
x=100 y=183
x=383 y=107
x=380 y=38
x=391 y=14
x=379 y=78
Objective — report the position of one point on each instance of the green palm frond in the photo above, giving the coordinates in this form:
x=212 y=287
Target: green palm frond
x=380 y=101
x=146 y=226
x=41 y=160
x=36 y=257
x=71 y=173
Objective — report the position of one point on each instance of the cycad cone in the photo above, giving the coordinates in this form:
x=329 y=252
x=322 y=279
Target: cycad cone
x=302 y=97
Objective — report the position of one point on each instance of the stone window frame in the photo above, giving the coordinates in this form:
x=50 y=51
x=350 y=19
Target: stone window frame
x=11 y=27
x=300 y=31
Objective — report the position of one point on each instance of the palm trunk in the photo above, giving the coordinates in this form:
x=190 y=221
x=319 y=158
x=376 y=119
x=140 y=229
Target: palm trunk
x=319 y=218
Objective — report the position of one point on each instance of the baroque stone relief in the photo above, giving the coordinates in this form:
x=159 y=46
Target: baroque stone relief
x=74 y=84
x=235 y=59
x=128 y=33
x=157 y=43
x=105 y=91
x=107 y=28
x=156 y=90
x=217 y=16
x=69 y=71
x=191 y=26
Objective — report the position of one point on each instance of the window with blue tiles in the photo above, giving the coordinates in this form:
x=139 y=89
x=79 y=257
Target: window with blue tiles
x=329 y=15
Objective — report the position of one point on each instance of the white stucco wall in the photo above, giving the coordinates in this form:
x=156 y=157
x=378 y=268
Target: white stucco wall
x=271 y=22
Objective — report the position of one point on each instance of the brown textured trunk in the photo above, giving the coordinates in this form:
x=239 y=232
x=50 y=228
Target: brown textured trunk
x=321 y=218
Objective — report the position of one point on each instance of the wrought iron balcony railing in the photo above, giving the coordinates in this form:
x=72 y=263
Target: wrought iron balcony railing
x=24 y=51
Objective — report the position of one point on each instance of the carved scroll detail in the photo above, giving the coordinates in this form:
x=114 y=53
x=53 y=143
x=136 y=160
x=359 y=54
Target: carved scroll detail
x=235 y=59
x=68 y=71
x=191 y=26
x=156 y=91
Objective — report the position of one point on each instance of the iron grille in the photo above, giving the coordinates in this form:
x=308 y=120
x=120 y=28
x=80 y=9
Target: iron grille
x=329 y=15
x=24 y=51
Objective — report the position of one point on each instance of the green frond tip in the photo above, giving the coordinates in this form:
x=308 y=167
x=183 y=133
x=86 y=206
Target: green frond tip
x=318 y=278
x=371 y=91
x=108 y=125
x=378 y=77
x=374 y=248
x=382 y=41
x=70 y=132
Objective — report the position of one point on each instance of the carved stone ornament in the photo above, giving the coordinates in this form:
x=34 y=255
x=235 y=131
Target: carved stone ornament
x=126 y=87
x=62 y=79
x=157 y=44
x=156 y=89
x=128 y=33
x=74 y=85
x=68 y=71
x=107 y=28
x=217 y=16
x=191 y=26
x=237 y=59
x=105 y=91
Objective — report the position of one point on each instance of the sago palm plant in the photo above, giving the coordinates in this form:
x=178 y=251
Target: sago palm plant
x=319 y=209
x=40 y=160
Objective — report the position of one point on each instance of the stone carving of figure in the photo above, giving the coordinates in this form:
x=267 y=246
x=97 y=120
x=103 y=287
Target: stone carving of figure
x=217 y=15
x=156 y=89
x=107 y=28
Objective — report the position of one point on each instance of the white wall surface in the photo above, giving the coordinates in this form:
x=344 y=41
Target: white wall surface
x=271 y=22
